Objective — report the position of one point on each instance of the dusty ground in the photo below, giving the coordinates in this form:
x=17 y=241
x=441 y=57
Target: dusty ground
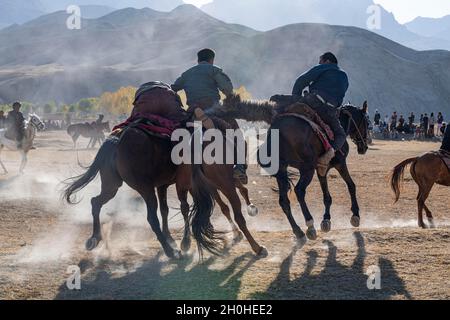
x=40 y=238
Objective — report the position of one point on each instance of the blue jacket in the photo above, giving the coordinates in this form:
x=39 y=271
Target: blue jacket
x=327 y=80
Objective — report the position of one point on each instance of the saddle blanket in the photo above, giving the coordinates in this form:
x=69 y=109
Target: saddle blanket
x=153 y=124
x=315 y=127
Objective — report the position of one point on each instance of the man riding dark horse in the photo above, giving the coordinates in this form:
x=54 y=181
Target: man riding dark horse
x=15 y=124
x=202 y=84
x=328 y=85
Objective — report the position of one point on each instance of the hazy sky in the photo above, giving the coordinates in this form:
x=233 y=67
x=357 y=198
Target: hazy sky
x=404 y=10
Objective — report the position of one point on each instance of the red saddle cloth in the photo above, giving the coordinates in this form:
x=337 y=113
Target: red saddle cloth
x=152 y=123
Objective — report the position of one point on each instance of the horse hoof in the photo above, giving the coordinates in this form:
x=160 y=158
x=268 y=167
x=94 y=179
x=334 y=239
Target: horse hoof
x=311 y=233
x=263 y=253
x=355 y=221
x=238 y=238
x=186 y=245
x=431 y=223
x=252 y=210
x=92 y=243
x=177 y=255
x=300 y=235
x=326 y=226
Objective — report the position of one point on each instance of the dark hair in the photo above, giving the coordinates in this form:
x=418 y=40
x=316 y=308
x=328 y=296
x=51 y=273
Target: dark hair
x=17 y=104
x=206 y=55
x=330 y=57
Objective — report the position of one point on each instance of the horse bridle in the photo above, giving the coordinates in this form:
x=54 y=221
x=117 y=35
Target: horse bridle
x=352 y=120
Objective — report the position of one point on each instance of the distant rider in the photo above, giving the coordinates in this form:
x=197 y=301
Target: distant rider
x=16 y=124
x=446 y=142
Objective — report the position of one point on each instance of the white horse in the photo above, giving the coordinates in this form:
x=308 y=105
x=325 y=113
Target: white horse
x=33 y=125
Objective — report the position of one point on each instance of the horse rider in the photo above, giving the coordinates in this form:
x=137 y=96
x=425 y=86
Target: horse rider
x=328 y=85
x=99 y=119
x=2 y=119
x=202 y=84
x=16 y=124
x=446 y=141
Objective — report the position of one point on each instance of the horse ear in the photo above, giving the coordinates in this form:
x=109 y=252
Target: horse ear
x=365 y=107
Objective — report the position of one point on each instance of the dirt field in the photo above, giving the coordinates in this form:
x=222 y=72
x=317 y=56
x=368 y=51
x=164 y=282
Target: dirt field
x=40 y=237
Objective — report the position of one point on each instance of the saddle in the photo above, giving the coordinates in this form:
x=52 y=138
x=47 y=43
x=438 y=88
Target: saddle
x=288 y=106
x=157 y=98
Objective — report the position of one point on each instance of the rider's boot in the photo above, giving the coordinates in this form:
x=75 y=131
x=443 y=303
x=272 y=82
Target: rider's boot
x=206 y=121
x=324 y=162
x=240 y=173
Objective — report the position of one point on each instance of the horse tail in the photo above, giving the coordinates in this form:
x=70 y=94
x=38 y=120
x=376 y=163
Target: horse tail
x=104 y=157
x=203 y=195
x=397 y=176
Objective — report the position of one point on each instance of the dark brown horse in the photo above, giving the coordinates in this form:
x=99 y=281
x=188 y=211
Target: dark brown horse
x=426 y=170
x=300 y=148
x=144 y=163
x=94 y=131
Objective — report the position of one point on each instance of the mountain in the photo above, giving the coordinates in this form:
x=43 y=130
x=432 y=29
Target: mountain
x=269 y=14
x=19 y=11
x=430 y=27
x=160 y=5
x=131 y=46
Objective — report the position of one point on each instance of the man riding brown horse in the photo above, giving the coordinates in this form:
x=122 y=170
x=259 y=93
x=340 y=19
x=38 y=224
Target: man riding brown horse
x=202 y=84
x=328 y=85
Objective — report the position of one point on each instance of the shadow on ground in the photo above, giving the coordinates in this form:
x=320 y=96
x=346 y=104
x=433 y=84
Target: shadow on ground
x=334 y=281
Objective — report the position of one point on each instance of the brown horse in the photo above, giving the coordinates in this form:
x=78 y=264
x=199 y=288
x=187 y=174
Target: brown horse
x=426 y=171
x=93 y=131
x=144 y=163
x=300 y=148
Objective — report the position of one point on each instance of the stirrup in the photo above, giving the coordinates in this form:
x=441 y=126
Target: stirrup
x=206 y=121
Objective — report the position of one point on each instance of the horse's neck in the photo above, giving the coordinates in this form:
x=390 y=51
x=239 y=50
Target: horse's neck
x=30 y=131
x=344 y=119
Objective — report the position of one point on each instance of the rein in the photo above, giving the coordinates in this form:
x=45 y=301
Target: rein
x=352 y=120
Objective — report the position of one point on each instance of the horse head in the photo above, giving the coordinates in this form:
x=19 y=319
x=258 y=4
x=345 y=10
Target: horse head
x=356 y=124
x=35 y=121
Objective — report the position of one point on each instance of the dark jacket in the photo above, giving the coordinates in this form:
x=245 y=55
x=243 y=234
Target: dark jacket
x=202 y=83
x=327 y=80
x=16 y=125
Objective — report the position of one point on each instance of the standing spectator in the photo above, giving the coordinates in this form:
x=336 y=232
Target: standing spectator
x=394 y=121
x=401 y=124
x=440 y=122
x=2 y=120
x=432 y=124
x=377 y=118
x=425 y=124
x=411 y=120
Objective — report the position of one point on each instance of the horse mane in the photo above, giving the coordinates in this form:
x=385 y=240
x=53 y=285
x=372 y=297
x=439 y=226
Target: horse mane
x=233 y=107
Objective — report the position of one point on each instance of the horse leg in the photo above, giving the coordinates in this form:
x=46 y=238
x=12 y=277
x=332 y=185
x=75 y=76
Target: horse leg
x=1 y=163
x=429 y=216
x=182 y=196
x=237 y=235
x=75 y=139
x=327 y=201
x=345 y=174
x=164 y=208
x=424 y=192
x=152 y=218
x=306 y=177
x=23 y=162
x=110 y=185
x=285 y=204
x=229 y=191
x=252 y=210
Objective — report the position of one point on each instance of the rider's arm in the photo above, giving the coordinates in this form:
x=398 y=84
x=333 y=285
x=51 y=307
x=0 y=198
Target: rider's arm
x=178 y=85
x=223 y=82
x=306 y=79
